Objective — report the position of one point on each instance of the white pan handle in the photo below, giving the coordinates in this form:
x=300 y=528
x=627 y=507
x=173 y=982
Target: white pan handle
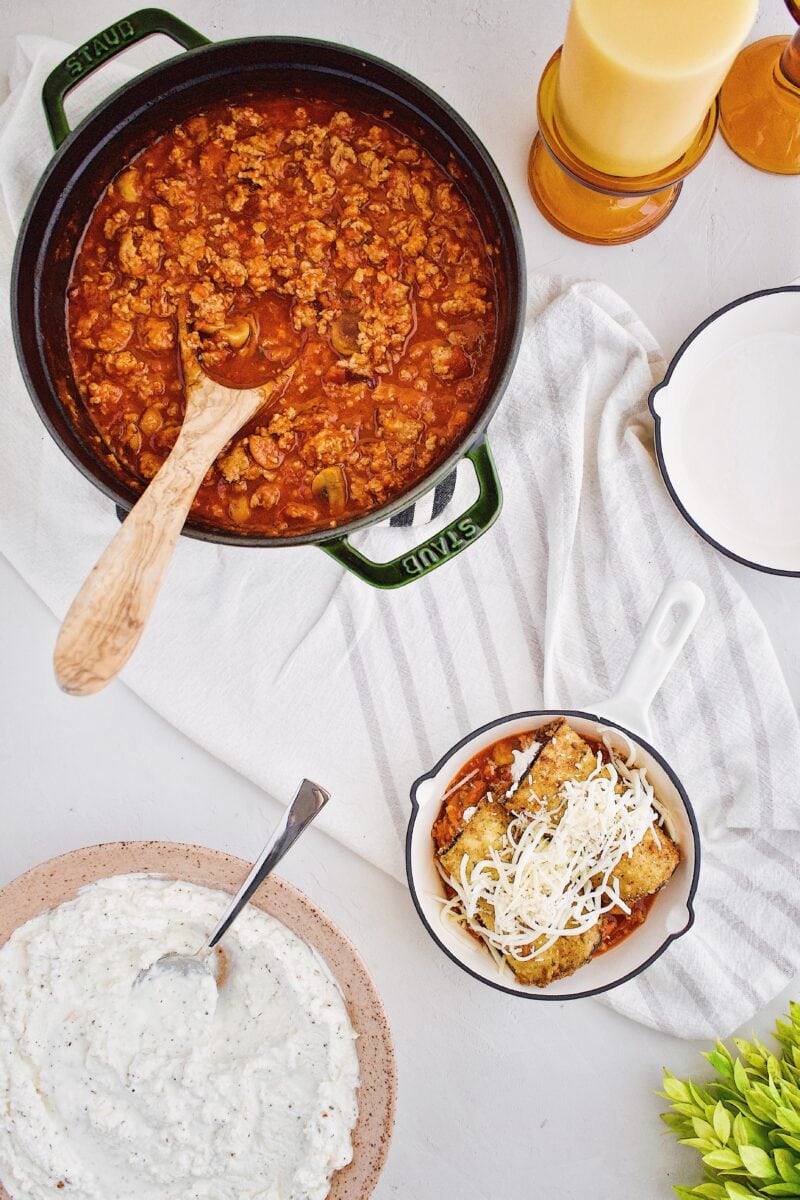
x=665 y=634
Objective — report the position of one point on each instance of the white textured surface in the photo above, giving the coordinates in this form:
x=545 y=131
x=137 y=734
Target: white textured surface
x=107 y=768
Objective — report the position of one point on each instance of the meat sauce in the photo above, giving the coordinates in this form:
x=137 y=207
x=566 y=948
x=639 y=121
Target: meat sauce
x=317 y=251
x=491 y=769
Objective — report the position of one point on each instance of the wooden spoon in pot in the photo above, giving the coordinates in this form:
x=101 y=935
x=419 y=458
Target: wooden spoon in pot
x=107 y=617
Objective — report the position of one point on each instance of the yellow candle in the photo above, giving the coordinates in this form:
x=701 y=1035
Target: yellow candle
x=637 y=77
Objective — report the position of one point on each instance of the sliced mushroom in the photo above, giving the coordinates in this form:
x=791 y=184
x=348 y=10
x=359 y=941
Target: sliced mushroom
x=330 y=484
x=237 y=332
x=128 y=185
x=239 y=509
x=344 y=333
x=502 y=754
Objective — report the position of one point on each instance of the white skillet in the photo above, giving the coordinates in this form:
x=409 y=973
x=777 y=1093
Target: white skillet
x=626 y=713
x=727 y=421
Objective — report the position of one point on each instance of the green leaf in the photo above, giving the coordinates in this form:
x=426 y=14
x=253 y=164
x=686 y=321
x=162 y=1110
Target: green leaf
x=781 y=1189
x=787 y=1118
x=747 y=1131
x=722 y=1122
x=703 y=1129
x=721 y=1060
x=761 y=1108
x=676 y=1121
x=700 y=1098
x=774 y=1069
x=740 y=1076
x=790 y=1092
x=675 y=1089
x=757 y=1162
x=689 y=1111
x=767 y=1091
x=787 y=1140
x=701 y=1144
x=751 y=1054
x=790 y=1096
x=786 y=1165
x=732 y=1096
x=738 y=1191
x=723 y=1160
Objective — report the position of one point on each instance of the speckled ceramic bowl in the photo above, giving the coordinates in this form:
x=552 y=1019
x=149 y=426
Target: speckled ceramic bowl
x=61 y=878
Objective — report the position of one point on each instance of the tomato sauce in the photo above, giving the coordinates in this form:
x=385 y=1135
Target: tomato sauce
x=316 y=251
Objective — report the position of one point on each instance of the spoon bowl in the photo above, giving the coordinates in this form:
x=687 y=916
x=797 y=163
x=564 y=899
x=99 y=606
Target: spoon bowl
x=309 y=801
x=198 y=964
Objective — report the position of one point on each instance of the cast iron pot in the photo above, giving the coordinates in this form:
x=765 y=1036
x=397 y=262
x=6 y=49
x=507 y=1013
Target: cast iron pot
x=91 y=155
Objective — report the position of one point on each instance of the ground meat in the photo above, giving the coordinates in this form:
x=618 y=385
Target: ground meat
x=139 y=251
x=234 y=465
x=157 y=334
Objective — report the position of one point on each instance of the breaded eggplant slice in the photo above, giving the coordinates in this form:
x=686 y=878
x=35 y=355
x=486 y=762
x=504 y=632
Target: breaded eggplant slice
x=648 y=868
x=484 y=831
x=564 y=756
x=563 y=958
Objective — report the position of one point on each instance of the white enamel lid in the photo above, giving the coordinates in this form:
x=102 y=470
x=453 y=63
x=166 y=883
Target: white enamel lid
x=728 y=429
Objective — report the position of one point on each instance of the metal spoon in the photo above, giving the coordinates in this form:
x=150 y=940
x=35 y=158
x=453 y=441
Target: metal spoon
x=309 y=800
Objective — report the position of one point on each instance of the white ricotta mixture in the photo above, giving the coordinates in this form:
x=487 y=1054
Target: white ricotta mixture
x=168 y=1090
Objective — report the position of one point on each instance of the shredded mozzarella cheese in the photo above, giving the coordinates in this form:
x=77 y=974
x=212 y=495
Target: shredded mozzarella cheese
x=551 y=877
x=451 y=791
x=521 y=766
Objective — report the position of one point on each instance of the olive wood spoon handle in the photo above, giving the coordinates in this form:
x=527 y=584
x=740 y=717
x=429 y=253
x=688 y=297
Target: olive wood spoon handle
x=109 y=613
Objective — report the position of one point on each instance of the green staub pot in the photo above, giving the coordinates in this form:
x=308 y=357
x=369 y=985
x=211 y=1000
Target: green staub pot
x=88 y=157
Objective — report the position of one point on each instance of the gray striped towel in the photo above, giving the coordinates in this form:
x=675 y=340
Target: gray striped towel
x=282 y=664
x=429 y=507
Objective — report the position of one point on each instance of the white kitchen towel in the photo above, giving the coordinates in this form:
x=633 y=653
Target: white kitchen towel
x=282 y=664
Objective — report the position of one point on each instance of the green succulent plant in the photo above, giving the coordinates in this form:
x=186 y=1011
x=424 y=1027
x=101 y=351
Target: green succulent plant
x=745 y=1123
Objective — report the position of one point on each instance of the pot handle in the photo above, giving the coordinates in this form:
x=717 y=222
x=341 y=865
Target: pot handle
x=99 y=50
x=439 y=548
x=672 y=620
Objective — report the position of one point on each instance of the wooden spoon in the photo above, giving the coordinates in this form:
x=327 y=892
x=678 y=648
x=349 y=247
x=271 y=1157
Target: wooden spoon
x=107 y=617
